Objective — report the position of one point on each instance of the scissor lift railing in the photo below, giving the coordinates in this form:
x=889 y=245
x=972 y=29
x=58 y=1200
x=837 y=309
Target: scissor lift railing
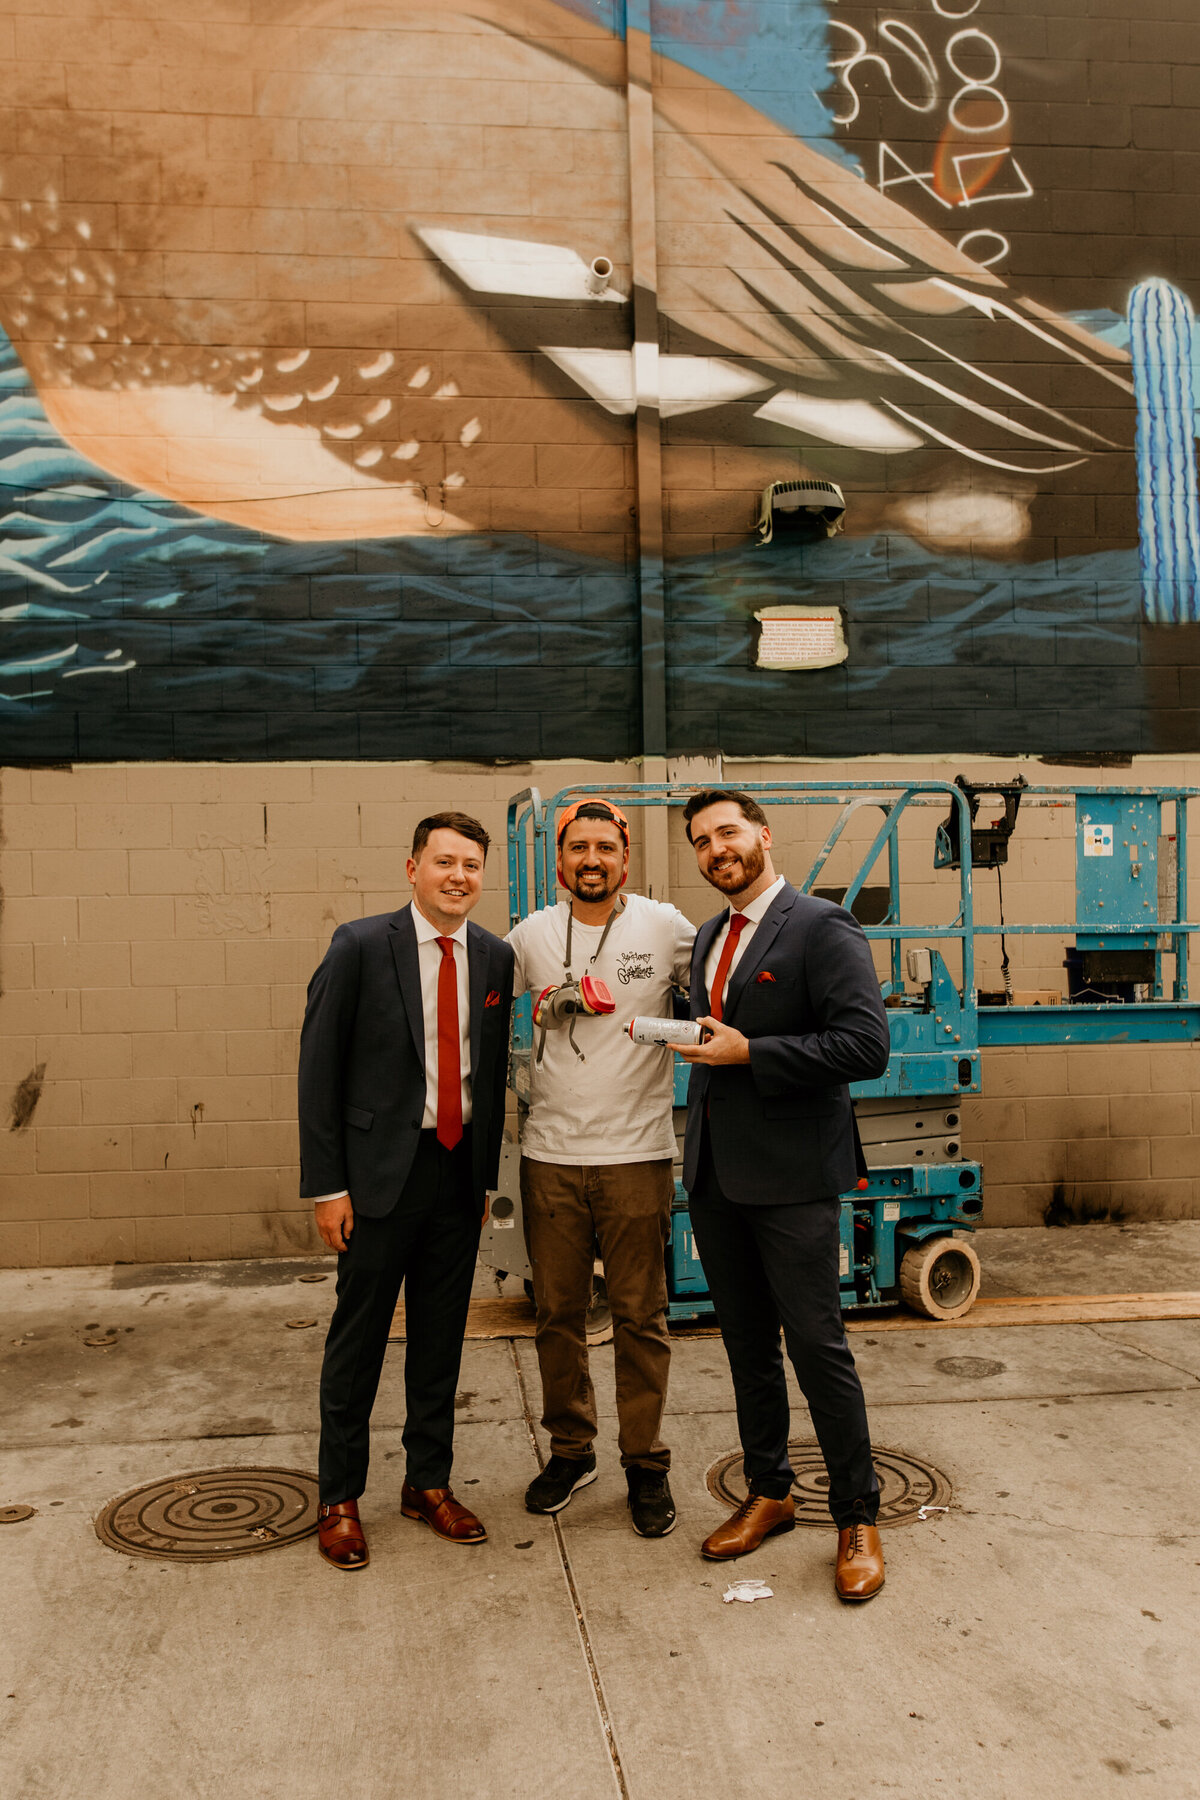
x=938 y=1031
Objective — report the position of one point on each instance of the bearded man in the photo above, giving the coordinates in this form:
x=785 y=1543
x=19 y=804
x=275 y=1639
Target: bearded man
x=785 y=986
x=596 y=1155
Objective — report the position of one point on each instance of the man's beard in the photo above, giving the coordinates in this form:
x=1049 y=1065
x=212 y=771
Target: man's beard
x=742 y=874
x=590 y=890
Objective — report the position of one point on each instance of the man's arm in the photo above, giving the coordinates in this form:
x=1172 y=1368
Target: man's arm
x=500 y=1079
x=685 y=938
x=516 y=943
x=324 y=1038
x=851 y=1042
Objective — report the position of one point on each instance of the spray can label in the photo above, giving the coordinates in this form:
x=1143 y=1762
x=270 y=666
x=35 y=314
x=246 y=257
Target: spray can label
x=674 y=1032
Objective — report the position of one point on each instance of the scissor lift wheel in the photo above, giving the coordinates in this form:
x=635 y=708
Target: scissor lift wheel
x=940 y=1278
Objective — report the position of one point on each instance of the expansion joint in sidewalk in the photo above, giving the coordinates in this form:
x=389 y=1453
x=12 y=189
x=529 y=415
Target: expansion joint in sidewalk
x=585 y=1641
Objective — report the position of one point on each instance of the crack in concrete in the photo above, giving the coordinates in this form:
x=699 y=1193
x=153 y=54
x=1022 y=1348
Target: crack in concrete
x=581 y=1626
x=1141 y=1537
x=1140 y=1349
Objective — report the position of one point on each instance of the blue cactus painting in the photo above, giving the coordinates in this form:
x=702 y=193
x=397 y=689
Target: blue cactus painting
x=1161 y=323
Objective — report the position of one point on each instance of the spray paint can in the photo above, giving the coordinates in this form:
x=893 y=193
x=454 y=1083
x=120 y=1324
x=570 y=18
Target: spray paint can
x=676 y=1033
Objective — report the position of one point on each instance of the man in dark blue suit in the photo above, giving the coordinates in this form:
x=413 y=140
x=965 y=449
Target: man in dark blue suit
x=403 y=1068
x=787 y=989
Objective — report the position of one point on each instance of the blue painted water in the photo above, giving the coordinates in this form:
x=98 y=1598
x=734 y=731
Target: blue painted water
x=130 y=626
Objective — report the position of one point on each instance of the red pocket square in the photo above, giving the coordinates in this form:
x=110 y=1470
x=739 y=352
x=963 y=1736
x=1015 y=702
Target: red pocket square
x=765 y=976
x=493 y=998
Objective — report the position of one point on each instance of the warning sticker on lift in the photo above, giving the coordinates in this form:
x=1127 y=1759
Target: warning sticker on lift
x=891 y=1210
x=1097 y=840
x=843 y=1260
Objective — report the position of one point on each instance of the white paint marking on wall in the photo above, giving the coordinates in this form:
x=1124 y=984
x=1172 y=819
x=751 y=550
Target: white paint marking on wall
x=685 y=383
x=855 y=423
x=383 y=362
x=491 y=265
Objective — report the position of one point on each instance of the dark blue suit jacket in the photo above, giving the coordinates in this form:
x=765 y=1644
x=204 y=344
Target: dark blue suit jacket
x=362 y=1061
x=806 y=994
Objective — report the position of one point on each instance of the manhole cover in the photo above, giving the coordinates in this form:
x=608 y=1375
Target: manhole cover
x=13 y=1515
x=905 y=1484
x=212 y=1515
x=969 y=1368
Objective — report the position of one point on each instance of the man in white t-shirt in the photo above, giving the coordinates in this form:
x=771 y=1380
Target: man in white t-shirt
x=596 y=1155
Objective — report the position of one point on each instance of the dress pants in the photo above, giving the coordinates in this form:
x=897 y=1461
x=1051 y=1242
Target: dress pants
x=626 y=1209
x=428 y=1241
x=769 y=1266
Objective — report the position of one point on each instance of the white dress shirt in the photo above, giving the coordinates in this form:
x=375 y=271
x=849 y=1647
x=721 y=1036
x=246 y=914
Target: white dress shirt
x=429 y=958
x=429 y=962
x=753 y=915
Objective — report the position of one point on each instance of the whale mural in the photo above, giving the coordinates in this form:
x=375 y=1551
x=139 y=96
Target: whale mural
x=319 y=435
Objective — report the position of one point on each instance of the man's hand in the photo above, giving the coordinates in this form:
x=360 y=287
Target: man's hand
x=335 y=1222
x=723 y=1045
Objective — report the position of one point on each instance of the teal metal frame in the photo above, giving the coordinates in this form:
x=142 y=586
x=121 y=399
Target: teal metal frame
x=937 y=1035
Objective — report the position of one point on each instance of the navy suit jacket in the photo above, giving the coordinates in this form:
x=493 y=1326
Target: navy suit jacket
x=806 y=994
x=362 y=1061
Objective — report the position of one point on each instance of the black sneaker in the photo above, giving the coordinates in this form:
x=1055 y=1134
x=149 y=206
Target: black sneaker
x=650 y=1502
x=550 y=1491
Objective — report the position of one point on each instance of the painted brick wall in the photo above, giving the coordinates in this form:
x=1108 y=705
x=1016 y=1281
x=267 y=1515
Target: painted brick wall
x=294 y=470
x=161 y=922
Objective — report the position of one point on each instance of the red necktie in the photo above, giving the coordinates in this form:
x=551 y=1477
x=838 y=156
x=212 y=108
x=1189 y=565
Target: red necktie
x=449 y=1103
x=716 y=1000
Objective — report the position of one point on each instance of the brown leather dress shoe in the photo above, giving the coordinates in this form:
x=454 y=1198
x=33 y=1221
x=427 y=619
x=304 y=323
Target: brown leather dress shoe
x=859 y=1563
x=340 y=1536
x=437 y=1508
x=755 y=1519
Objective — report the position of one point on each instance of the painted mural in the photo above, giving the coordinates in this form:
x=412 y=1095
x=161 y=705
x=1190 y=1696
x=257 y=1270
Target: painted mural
x=320 y=379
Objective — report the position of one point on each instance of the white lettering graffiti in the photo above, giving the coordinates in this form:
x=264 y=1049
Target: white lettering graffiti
x=973 y=163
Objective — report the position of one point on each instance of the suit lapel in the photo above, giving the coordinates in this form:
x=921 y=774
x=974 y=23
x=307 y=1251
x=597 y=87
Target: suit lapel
x=752 y=961
x=477 y=968
x=705 y=938
x=408 y=973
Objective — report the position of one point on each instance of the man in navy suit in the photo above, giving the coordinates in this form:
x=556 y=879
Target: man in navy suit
x=403 y=1067
x=787 y=989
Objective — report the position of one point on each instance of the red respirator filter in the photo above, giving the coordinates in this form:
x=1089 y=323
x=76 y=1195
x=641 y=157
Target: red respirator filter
x=596 y=995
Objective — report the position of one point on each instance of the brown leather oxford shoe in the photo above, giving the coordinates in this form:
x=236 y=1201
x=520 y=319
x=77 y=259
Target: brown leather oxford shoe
x=340 y=1537
x=859 y=1573
x=755 y=1519
x=437 y=1508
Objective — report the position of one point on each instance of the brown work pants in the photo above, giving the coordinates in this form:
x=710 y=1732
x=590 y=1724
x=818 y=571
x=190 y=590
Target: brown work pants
x=625 y=1209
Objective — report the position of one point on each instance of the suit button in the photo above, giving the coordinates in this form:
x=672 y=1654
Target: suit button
x=416 y=1124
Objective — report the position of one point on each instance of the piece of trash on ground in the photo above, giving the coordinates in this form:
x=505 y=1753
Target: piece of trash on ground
x=748 y=1590
x=923 y=1512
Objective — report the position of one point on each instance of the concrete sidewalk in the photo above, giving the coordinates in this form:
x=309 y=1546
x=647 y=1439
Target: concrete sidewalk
x=1036 y=1641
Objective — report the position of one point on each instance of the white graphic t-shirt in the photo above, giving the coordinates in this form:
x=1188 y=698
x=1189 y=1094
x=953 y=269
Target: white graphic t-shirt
x=615 y=1107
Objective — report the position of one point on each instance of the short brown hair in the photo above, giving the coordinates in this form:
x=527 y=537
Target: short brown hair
x=712 y=797
x=461 y=822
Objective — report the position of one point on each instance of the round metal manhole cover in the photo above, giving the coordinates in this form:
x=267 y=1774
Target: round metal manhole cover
x=906 y=1484
x=16 y=1515
x=212 y=1515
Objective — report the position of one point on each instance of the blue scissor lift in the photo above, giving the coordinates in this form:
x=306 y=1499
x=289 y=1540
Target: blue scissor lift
x=905 y=1231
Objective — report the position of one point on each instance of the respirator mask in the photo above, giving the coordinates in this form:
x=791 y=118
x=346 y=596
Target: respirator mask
x=563 y=1004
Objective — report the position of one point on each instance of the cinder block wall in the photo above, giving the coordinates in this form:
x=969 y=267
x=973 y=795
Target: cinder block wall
x=161 y=921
